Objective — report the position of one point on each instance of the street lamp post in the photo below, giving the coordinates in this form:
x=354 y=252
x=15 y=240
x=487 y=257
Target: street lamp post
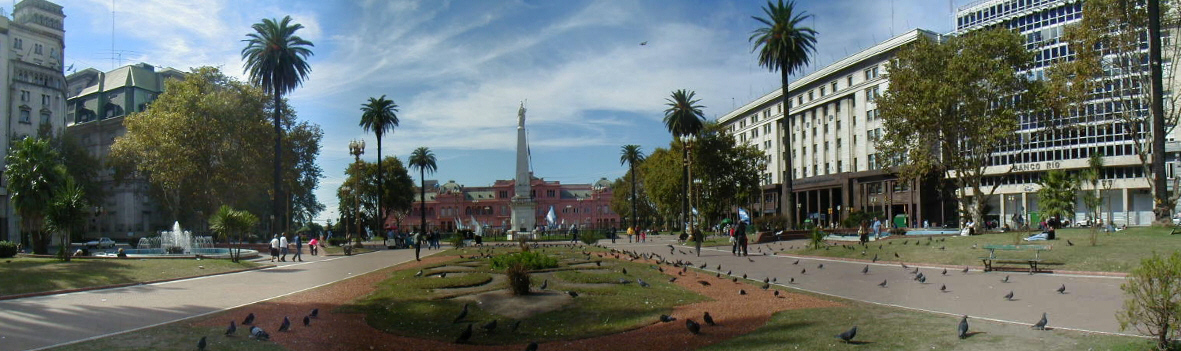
x=357 y=148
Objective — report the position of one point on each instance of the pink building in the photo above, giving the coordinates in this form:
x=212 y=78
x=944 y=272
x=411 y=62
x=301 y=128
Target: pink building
x=587 y=205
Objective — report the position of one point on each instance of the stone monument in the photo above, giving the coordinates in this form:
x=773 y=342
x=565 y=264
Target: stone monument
x=524 y=218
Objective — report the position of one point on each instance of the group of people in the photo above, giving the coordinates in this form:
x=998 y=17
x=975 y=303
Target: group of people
x=280 y=246
x=865 y=228
x=738 y=239
x=641 y=236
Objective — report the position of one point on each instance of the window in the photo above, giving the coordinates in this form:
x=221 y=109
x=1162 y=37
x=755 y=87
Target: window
x=25 y=116
x=18 y=43
x=849 y=81
x=821 y=91
x=44 y=100
x=37 y=49
x=767 y=128
x=871 y=94
x=840 y=167
x=549 y=193
x=810 y=95
x=767 y=144
x=871 y=73
x=834 y=87
x=24 y=96
x=45 y=117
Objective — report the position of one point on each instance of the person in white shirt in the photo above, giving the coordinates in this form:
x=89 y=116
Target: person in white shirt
x=275 y=248
x=283 y=247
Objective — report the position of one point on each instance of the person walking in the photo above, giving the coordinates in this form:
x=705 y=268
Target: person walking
x=612 y=235
x=644 y=236
x=298 y=256
x=312 y=245
x=275 y=248
x=631 y=231
x=740 y=234
x=697 y=239
x=417 y=245
x=862 y=234
x=877 y=229
x=283 y=247
x=734 y=241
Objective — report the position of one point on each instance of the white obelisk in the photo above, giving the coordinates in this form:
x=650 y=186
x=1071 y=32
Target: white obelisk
x=524 y=208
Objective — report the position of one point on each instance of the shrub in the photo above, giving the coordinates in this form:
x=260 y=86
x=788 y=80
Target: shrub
x=817 y=238
x=529 y=260
x=456 y=240
x=589 y=237
x=771 y=222
x=337 y=241
x=856 y=217
x=7 y=249
x=518 y=278
x=897 y=231
x=1153 y=304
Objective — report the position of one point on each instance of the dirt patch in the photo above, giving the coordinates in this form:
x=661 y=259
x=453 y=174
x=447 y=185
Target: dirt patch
x=333 y=330
x=502 y=302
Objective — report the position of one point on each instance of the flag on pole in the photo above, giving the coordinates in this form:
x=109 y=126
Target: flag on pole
x=550 y=217
x=743 y=216
x=694 y=211
x=458 y=224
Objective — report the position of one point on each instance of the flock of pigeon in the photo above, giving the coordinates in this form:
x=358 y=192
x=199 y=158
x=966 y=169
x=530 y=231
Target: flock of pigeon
x=257 y=332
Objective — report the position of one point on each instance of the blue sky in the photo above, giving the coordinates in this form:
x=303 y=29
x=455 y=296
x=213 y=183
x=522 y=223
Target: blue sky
x=459 y=69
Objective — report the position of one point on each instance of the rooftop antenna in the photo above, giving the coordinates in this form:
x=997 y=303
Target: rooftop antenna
x=891 y=18
x=113 y=58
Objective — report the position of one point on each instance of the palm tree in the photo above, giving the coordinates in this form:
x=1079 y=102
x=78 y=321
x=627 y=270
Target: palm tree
x=33 y=176
x=424 y=160
x=684 y=119
x=227 y=221
x=785 y=47
x=631 y=154
x=66 y=212
x=276 y=60
x=380 y=116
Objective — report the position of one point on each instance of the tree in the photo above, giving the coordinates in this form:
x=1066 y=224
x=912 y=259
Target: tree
x=1093 y=197
x=302 y=173
x=784 y=45
x=362 y=180
x=227 y=222
x=951 y=105
x=631 y=154
x=621 y=201
x=1153 y=304
x=33 y=174
x=1056 y=196
x=424 y=160
x=276 y=60
x=379 y=115
x=1117 y=71
x=66 y=212
x=684 y=120
x=662 y=181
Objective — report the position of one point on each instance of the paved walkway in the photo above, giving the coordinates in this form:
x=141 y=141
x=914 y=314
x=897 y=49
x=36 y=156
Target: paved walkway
x=46 y=321
x=1090 y=302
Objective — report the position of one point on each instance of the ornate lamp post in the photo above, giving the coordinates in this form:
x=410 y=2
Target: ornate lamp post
x=357 y=148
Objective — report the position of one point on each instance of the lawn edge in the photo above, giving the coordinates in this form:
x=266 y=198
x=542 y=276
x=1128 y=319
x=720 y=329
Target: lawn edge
x=123 y=285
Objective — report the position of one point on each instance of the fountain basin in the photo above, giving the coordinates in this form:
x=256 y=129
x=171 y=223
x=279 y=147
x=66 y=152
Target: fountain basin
x=203 y=252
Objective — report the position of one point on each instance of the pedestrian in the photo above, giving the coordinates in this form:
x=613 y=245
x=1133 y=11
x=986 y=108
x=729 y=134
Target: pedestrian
x=733 y=241
x=312 y=245
x=740 y=233
x=417 y=245
x=697 y=239
x=275 y=248
x=298 y=256
x=435 y=237
x=612 y=235
x=644 y=236
x=877 y=228
x=862 y=234
x=631 y=231
x=283 y=247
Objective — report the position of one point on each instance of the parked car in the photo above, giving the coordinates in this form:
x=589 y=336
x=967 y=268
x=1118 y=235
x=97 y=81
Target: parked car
x=101 y=243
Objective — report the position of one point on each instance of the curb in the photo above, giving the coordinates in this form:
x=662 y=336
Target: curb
x=940 y=265
x=102 y=287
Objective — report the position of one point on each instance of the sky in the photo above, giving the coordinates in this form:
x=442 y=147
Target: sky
x=593 y=75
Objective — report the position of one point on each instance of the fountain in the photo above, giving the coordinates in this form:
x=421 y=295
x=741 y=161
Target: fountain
x=181 y=243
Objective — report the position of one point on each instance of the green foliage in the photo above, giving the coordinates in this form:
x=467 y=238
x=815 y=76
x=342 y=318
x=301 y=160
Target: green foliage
x=227 y=221
x=630 y=154
x=770 y=222
x=397 y=187
x=1093 y=197
x=589 y=237
x=661 y=177
x=34 y=174
x=424 y=160
x=951 y=105
x=66 y=213
x=518 y=278
x=7 y=249
x=1056 y=196
x=1153 y=304
x=337 y=241
x=728 y=172
x=816 y=238
x=531 y=260
x=621 y=201
x=855 y=218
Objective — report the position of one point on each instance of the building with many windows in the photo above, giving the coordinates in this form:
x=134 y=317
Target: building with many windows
x=1094 y=128
x=35 y=96
x=97 y=105
x=451 y=203
x=834 y=127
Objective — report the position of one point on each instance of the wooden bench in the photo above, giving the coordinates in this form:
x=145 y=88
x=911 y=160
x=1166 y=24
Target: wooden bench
x=1033 y=262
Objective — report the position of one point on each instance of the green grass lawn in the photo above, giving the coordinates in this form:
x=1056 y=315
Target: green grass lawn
x=177 y=336
x=1116 y=252
x=28 y=275
x=888 y=328
x=407 y=305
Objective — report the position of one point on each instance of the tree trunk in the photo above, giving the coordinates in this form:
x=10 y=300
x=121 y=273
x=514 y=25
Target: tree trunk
x=422 y=202
x=684 y=188
x=1163 y=206
x=380 y=209
x=632 y=165
x=788 y=192
x=276 y=199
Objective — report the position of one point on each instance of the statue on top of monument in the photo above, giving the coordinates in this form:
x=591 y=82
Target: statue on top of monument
x=521 y=116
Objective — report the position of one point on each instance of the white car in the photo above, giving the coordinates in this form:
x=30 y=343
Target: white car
x=101 y=243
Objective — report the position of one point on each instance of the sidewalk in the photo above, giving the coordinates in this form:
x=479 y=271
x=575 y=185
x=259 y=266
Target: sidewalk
x=1090 y=302
x=46 y=321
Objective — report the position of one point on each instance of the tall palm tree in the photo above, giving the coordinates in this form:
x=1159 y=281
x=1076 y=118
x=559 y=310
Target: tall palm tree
x=276 y=60
x=424 y=160
x=684 y=119
x=33 y=175
x=631 y=154
x=379 y=115
x=784 y=45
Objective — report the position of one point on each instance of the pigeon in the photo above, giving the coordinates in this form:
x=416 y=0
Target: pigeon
x=466 y=334
x=693 y=326
x=315 y=313
x=462 y=314
x=744 y=276
x=792 y=281
x=922 y=279
x=1041 y=324
x=666 y=318
x=875 y=258
x=750 y=259
x=624 y=271
x=514 y=327
x=419 y=274
x=821 y=266
x=232 y=329
x=776 y=293
x=796 y=262
x=249 y=319
x=572 y=293
x=741 y=292
x=848 y=335
x=642 y=283
x=532 y=346
x=1006 y=280
x=943 y=288
x=962 y=330
x=201 y=344
x=1009 y=296
x=882 y=284
x=896 y=255
x=442 y=275
x=708 y=319
x=673 y=279
x=965 y=270
x=623 y=281
x=904 y=266
x=307 y=320
x=490 y=326
x=945 y=271
x=544 y=284
x=703 y=283
x=286 y=325
x=804 y=271
x=1069 y=243
x=1062 y=289
x=865 y=270
x=258 y=333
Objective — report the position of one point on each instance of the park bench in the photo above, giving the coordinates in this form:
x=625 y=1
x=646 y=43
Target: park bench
x=1033 y=262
